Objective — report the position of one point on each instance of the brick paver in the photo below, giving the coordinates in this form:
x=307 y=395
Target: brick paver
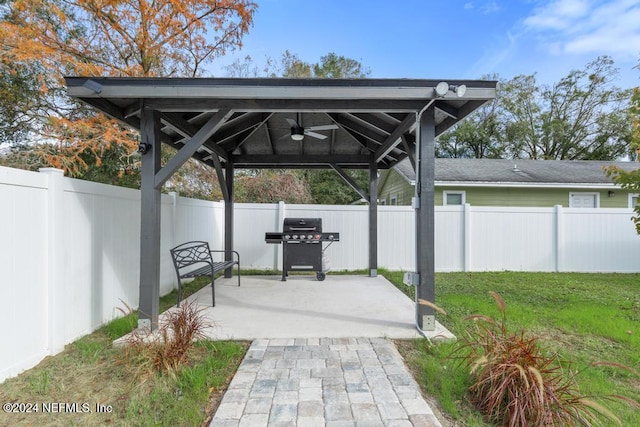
x=323 y=382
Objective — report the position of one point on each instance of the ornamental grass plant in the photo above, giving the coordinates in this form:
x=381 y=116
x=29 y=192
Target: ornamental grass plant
x=167 y=349
x=514 y=382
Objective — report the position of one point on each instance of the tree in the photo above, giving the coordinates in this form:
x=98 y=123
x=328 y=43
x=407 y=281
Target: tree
x=323 y=186
x=18 y=92
x=630 y=180
x=479 y=136
x=109 y=38
x=583 y=116
x=271 y=186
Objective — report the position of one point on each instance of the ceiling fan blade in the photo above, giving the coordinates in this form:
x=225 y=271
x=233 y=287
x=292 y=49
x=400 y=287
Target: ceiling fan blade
x=315 y=135
x=323 y=127
x=292 y=123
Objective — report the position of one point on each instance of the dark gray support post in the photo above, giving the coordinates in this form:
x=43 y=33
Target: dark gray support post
x=373 y=218
x=149 y=220
x=228 y=217
x=425 y=256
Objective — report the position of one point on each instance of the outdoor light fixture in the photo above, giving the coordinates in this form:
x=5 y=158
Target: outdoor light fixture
x=442 y=88
x=143 y=148
x=297 y=133
x=612 y=193
x=459 y=90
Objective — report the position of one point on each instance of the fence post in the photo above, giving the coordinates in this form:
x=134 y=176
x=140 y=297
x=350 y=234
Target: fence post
x=55 y=259
x=281 y=213
x=466 y=237
x=559 y=237
x=174 y=219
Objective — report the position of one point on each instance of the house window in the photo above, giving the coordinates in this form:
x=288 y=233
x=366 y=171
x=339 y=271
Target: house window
x=393 y=199
x=584 y=200
x=633 y=200
x=455 y=198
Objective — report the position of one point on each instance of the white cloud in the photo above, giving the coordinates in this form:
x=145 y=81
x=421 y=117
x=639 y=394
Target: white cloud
x=485 y=8
x=490 y=7
x=588 y=26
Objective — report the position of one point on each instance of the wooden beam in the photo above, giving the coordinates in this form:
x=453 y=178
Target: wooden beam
x=296 y=159
x=373 y=218
x=425 y=222
x=463 y=111
x=149 y=297
x=350 y=124
x=409 y=145
x=350 y=181
x=447 y=109
x=187 y=130
x=287 y=105
x=221 y=179
x=394 y=139
x=264 y=118
x=187 y=151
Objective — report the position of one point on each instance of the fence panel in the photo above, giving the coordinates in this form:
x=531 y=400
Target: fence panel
x=69 y=249
x=600 y=240
x=520 y=239
x=23 y=270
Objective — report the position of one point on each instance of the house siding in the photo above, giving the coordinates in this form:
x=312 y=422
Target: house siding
x=397 y=186
x=530 y=197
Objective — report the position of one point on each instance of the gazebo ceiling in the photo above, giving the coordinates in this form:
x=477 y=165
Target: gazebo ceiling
x=365 y=120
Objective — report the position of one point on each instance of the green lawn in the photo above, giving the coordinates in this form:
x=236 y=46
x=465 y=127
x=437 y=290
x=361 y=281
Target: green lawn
x=90 y=371
x=584 y=318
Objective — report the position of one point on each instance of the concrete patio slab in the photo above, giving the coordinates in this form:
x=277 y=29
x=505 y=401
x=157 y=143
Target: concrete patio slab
x=302 y=307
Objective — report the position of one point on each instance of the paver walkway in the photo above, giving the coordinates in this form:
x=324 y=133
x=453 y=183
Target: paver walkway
x=323 y=382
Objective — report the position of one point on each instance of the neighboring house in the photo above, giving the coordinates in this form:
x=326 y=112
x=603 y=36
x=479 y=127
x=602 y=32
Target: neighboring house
x=501 y=182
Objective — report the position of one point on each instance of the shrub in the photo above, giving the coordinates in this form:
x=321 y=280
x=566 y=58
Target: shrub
x=514 y=383
x=167 y=348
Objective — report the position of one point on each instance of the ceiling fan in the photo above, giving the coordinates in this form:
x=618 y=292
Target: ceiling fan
x=298 y=132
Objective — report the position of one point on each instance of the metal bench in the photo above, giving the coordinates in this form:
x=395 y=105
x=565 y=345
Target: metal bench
x=193 y=259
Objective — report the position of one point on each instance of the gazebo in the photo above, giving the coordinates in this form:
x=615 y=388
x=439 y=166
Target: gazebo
x=340 y=124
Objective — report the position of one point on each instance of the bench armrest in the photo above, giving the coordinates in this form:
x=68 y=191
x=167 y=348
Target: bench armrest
x=226 y=252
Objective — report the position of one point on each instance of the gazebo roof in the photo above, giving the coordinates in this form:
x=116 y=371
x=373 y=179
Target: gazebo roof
x=362 y=119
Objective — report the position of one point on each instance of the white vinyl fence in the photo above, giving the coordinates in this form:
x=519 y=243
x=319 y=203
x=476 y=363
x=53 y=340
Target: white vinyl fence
x=69 y=249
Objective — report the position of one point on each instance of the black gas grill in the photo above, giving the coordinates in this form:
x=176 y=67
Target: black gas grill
x=302 y=249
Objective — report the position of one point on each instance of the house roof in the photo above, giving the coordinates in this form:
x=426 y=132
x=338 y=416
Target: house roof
x=518 y=172
x=247 y=122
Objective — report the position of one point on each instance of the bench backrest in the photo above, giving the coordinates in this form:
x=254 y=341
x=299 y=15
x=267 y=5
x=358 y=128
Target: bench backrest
x=191 y=253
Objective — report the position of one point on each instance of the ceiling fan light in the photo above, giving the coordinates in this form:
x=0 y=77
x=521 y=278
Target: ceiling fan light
x=297 y=134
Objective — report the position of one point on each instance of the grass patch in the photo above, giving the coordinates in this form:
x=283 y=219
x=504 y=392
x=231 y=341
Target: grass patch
x=91 y=371
x=582 y=318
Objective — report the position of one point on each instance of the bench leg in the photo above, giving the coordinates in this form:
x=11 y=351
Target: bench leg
x=179 y=291
x=213 y=290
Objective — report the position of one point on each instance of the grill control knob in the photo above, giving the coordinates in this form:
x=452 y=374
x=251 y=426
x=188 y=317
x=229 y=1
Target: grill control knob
x=330 y=236
x=310 y=236
x=317 y=237
x=295 y=236
x=302 y=236
x=287 y=237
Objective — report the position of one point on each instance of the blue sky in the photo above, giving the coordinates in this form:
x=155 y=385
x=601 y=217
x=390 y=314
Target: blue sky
x=449 y=39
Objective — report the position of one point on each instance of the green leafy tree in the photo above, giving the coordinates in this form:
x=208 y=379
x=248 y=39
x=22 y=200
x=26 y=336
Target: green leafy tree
x=583 y=116
x=630 y=180
x=479 y=136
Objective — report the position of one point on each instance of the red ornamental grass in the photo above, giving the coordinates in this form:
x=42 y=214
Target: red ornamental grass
x=514 y=383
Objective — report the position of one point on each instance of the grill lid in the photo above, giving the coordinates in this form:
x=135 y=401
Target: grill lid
x=302 y=224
